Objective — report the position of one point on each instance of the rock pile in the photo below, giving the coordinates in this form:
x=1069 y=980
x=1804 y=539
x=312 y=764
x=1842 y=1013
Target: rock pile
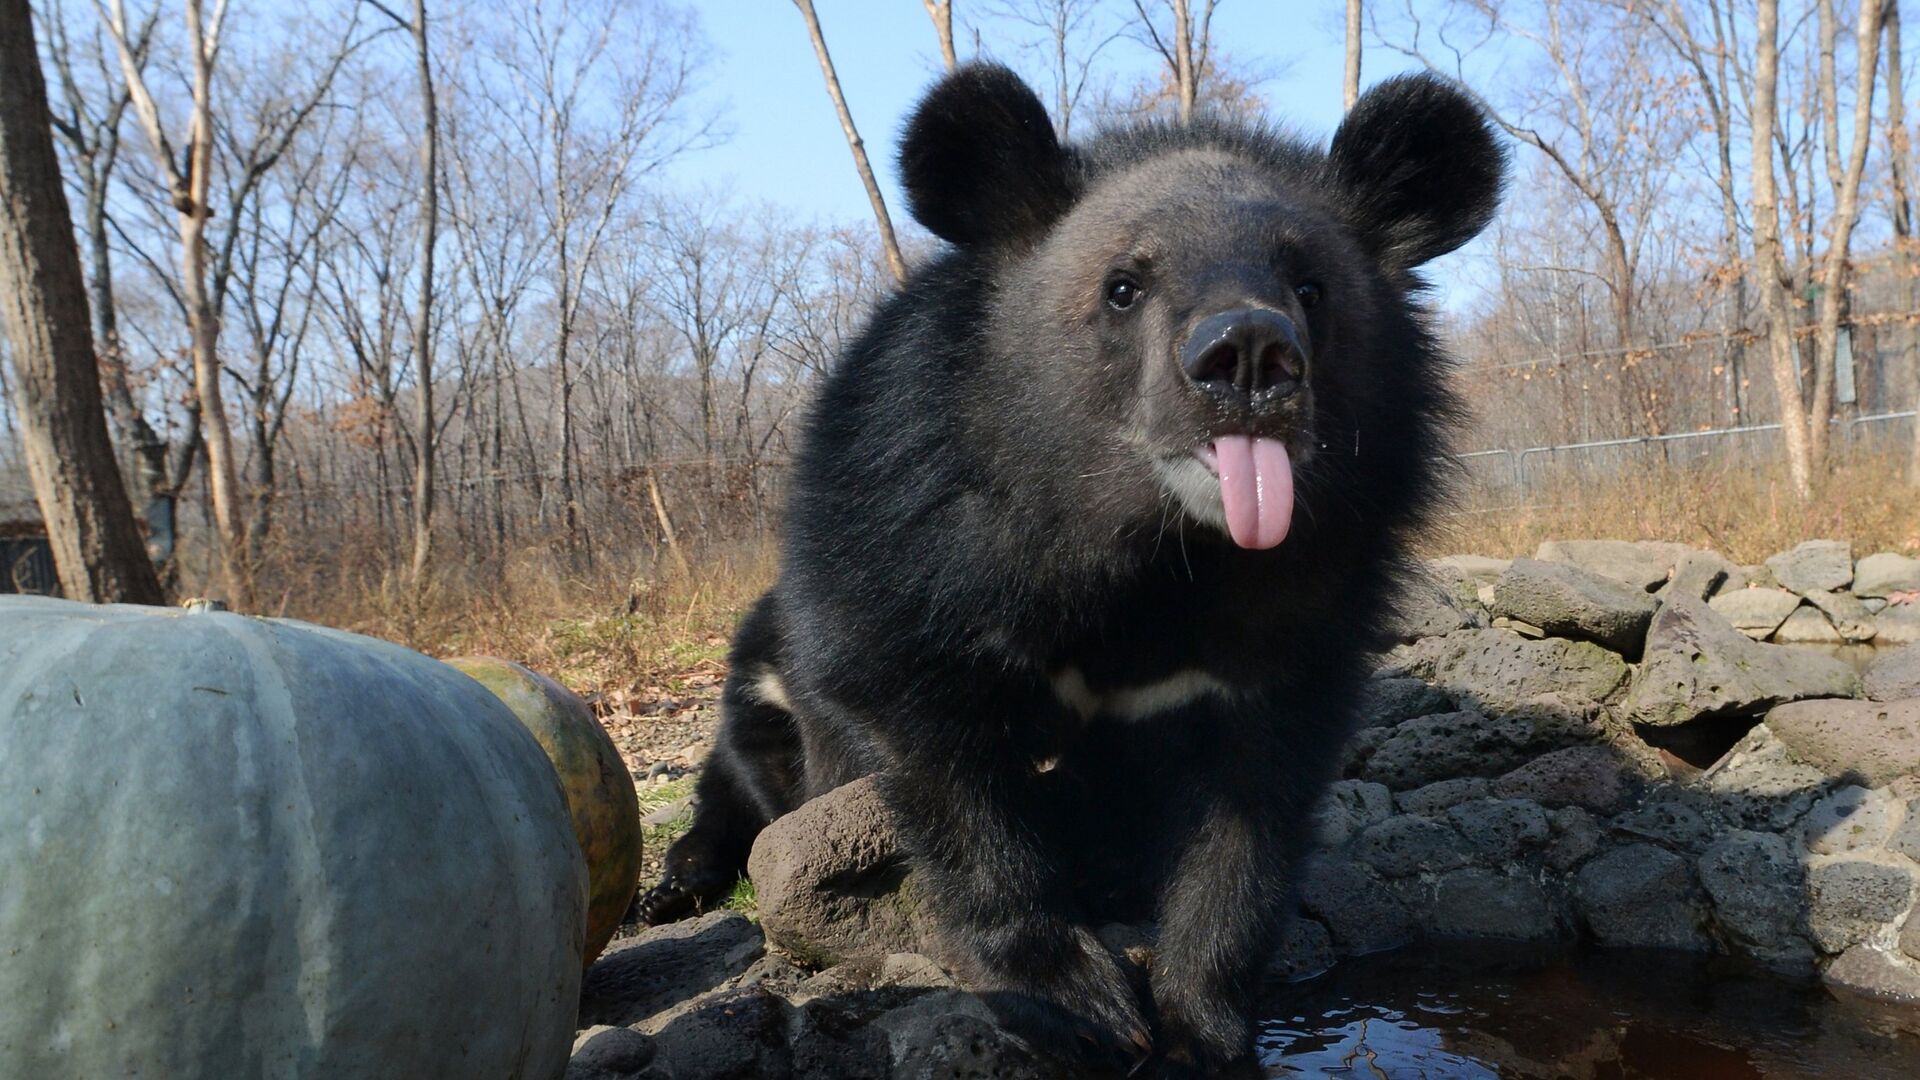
x=1622 y=743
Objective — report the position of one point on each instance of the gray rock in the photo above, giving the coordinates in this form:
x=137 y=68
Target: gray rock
x=1576 y=836
x=1643 y=564
x=1756 y=613
x=1897 y=624
x=1759 y=898
x=1884 y=573
x=1452 y=745
x=1874 y=604
x=1565 y=601
x=831 y=881
x=1360 y=749
x=1348 y=807
x=1641 y=896
x=1429 y=609
x=1864 y=742
x=1848 y=616
x=1894 y=674
x=728 y=1035
x=1388 y=701
x=1668 y=821
x=1497 y=830
x=1524 y=629
x=1437 y=796
x=1876 y=973
x=1305 y=950
x=1761 y=784
x=609 y=1053
x=1495 y=671
x=1595 y=778
x=1910 y=936
x=1807 y=626
x=1407 y=845
x=1697 y=576
x=1355 y=904
x=666 y=966
x=950 y=1035
x=1851 y=818
x=1480 y=903
x=1696 y=665
x=1849 y=901
x=1814 y=565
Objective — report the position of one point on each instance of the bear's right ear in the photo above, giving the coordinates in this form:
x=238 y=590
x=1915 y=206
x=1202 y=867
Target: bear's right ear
x=980 y=161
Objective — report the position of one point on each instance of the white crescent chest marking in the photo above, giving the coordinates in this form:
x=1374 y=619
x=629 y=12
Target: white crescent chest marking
x=1136 y=702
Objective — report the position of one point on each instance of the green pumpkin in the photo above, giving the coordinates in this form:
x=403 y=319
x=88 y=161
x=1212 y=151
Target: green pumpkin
x=236 y=847
x=599 y=789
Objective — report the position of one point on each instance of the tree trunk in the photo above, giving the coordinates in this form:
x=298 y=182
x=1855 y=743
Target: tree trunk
x=892 y=246
x=1186 y=79
x=1769 y=267
x=1352 y=84
x=1906 y=245
x=1845 y=180
x=96 y=544
x=423 y=318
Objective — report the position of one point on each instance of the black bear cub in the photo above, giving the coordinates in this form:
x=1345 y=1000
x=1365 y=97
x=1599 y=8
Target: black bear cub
x=1091 y=535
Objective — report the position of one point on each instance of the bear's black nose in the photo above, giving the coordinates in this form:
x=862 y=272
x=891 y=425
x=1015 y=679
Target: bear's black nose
x=1246 y=350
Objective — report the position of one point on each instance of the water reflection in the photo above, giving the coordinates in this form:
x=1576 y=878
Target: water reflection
x=1479 y=1011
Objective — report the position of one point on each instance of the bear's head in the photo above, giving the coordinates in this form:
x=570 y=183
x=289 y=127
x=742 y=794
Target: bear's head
x=1213 y=315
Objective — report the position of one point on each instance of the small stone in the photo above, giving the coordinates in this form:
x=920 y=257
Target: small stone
x=1524 y=629
x=1884 y=573
x=609 y=1053
x=1759 y=894
x=1437 y=796
x=1876 y=973
x=1429 y=609
x=1641 y=896
x=1697 y=576
x=1407 y=845
x=1359 y=910
x=1498 y=829
x=1814 y=565
x=1480 y=903
x=1894 y=674
x=1475 y=568
x=1849 y=617
x=1756 y=613
x=1596 y=778
x=1851 y=818
x=1563 y=600
x=1305 y=950
x=950 y=1034
x=1575 y=837
x=831 y=882
x=1874 y=604
x=1865 y=742
x=1851 y=900
x=1906 y=838
x=1348 y=807
x=1496 y=671
x=1806 y=626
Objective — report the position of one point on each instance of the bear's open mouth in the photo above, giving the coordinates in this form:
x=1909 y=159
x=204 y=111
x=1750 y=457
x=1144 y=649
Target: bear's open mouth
x=1240 y=484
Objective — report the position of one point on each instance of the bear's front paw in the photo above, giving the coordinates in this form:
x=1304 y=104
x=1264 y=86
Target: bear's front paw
x=1073 y=1001
x=1197 y=1035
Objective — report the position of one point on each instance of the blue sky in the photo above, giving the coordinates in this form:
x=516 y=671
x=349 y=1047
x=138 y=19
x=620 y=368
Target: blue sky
x=786 y=147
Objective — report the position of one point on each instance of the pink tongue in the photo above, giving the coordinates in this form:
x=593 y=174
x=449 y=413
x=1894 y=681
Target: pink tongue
x=1256 y=489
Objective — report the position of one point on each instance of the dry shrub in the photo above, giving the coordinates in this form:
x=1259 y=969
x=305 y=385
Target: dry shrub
x=1743 y=510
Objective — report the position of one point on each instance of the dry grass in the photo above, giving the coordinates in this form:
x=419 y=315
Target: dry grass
x=1740 y=510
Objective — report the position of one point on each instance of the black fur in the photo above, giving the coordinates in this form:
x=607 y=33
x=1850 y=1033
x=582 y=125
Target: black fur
x=978 y=517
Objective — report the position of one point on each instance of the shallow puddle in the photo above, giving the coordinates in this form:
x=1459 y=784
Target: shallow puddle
x=1477 y=1011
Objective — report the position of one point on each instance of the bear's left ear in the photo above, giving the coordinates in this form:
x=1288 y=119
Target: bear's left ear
x=980 y=161
x=1419 y=168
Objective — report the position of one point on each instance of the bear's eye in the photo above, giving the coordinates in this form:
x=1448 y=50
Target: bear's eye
x=1308 y=293
x=1123 y=293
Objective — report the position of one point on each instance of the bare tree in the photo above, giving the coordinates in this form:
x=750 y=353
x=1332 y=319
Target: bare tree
x=1906 y=261
x=1769 y=265
x=1352 y=84
x=1184 y=49
x=96 y=543
x=1072 y=37
x=1844 y=180
x=859 y=149
x=941 y=12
